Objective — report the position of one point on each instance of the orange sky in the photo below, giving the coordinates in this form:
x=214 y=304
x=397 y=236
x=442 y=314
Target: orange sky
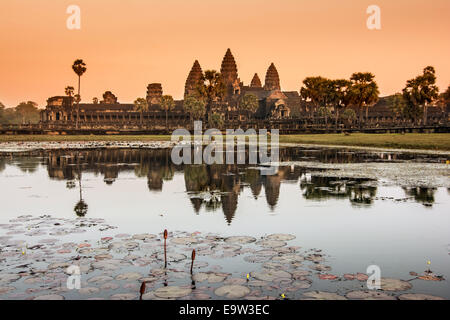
x=128 y=44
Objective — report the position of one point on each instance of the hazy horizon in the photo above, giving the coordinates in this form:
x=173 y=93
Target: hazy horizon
x=127 y=45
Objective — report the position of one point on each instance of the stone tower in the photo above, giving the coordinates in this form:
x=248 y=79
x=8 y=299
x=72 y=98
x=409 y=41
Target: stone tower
x=272 y=79
x=256 y=82
x=228 y=69
x=193 y=79
x=154 y=93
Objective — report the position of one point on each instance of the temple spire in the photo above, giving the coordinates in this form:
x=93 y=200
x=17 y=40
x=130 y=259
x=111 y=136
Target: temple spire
x=228 y=68
x=193 y=79
x=256 y=82
x=272 y=81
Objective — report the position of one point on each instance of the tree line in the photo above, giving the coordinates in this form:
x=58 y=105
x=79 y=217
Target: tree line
x=323 y=97
x=26 y=112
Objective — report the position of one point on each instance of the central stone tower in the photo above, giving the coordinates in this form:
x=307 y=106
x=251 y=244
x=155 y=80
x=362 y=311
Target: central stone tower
x=229 y=73
x=272 y=81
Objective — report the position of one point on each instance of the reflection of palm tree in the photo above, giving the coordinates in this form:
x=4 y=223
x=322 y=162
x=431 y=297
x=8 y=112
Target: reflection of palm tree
x=81 y=207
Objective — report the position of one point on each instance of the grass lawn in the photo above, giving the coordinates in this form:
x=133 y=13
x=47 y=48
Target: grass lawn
x=432 y=141
x=429 y=141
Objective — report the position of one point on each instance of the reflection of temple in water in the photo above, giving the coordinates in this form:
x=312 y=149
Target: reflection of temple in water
x=214 y=187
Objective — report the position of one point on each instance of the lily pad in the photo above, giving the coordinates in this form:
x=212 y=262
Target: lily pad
x=270 y=275
x=232 y=291
x=369 y=295
x=418 y=296
x=211 y=277
x=49 y=297
x=280 y=237
x=240 y=239
x=394 y=285
x=172 y=292
x=322 y=295
x=124 y=296
x=271 y=243
x=129 y=276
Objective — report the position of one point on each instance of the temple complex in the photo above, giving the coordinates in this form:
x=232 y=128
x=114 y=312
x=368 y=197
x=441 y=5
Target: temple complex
x=287 y=108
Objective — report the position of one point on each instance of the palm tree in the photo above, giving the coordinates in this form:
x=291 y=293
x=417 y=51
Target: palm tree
x=167 y=103
x=141 y=105
x=79 y=67
x=194 y=106
x=69 y=91
x=314 y=90
x=249 y=102
x=363 y=92
x=211 y=88
x=421 y=91
x=397 y=104
x=338 y=96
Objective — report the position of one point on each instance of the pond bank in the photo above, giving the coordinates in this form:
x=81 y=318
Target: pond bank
x=416 y=141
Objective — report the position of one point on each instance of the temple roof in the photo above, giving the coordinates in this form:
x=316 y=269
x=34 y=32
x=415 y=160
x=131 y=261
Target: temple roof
x=272 y=79
x=228 y=68
x=256 y=82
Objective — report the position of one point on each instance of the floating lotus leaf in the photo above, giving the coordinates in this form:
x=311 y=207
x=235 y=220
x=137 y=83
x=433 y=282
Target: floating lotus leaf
x=49 y=297
x=302 y=284
x=271 y=243
x=8 y=277
x=129 y=276
x=211 y=277
x=172 y=292
x=418 y=296
x=4 y=290
x=232 y=291
x=257 y=283
x=280 y=237
x=99 y=279
x=394 y=285
x=184 y=240
x=109 y=286
x=369 y=295
x=270 y=275
x=88 y=290
x=322 y=295
x=266 y=252
x=320 y=267
x=124 y=296
x=300 y=273
x=288 y=258
x=235 y=281
x=171 y=256
x=273 y=265
x=240 y=239
x=144 y=236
